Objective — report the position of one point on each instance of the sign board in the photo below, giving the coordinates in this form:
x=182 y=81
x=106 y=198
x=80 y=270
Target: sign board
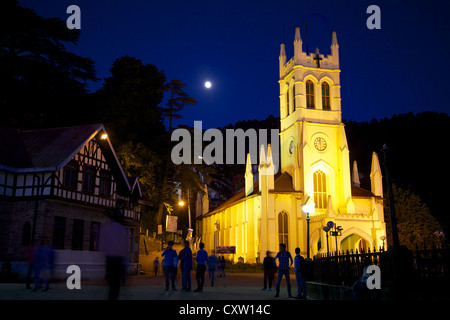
x=159 y=228
x=171 y=223
x=226 y=249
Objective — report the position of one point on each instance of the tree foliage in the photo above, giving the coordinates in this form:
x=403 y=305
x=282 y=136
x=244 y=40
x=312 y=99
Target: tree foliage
x=41 y=82
x=417 y=227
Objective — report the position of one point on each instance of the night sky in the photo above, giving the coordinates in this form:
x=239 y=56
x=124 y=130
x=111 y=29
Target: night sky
x=235 y=44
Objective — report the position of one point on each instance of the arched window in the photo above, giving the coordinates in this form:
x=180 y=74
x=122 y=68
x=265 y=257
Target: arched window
x=310 y=94
x=26 y=234
x=293 y=97
x=283 y=228
x=320 y=189
x=326 y=96
x=287 y=102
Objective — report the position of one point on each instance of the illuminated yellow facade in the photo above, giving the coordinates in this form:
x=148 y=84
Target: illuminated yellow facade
x=314 y=167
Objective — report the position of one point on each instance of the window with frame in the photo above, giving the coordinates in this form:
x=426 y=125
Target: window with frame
x=59 y=232
x=89 y=179
x=26 y=234
x=70 y=175
x=283 y=229
x=105 y=183
x=287 y=102
x=94 y=237
x=320 y=189
x=310 y=94
x=77 y=234
x=326 y=105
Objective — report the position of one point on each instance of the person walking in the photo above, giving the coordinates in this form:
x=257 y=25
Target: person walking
x=156 y=266
x=299 y=267
x=202 y=259
x=269 y=271
x=285 y=261
x=212 y=264
x=168 y=264
x=186 y=267
x=113 y=244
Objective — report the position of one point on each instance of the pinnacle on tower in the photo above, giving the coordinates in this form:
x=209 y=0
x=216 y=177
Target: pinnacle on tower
x=248 y=176
x=334 y=41
x=376 y=177
x=282 y=58
x=355 y=175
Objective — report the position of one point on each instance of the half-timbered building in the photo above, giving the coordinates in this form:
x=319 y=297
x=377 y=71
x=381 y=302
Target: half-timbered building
x=57 y=187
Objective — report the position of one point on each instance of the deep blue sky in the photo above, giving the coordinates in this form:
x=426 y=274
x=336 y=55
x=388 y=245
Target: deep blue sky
x=235 y=44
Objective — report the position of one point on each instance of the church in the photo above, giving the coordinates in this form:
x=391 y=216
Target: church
x=314 y=186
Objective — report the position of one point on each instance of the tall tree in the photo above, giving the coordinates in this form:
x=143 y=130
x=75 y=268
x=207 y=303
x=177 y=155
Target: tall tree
x=177 y=101
x=41 y=82
x=128 y=104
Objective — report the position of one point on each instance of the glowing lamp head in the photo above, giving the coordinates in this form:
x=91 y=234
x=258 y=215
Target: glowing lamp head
x=308 y=208
x=104 y=136
x=181 y=203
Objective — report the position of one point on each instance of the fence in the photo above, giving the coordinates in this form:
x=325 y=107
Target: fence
x=421 y=269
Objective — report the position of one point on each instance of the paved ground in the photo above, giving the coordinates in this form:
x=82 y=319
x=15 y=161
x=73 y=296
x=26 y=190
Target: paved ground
x=235 y=286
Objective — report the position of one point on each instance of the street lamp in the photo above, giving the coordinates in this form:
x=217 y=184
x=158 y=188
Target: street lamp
x=326 y=229
x=336 y=233
x=182 y=203
x=308 y=208
x=382 y=238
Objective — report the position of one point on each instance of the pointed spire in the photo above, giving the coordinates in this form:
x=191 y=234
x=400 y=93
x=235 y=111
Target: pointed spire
x=335 y=50
x=270 y=168
x=298 y=46
x=248 y=176
x=262 y=156
x=282 y=59
x=248 y=166
x=297 y=35
x=334 y=41
x=376 y=177
x=355 y=175
x=282 y=51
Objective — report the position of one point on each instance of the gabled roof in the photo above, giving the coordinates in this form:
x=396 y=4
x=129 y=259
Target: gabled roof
x=51 y=149
x=282 y=183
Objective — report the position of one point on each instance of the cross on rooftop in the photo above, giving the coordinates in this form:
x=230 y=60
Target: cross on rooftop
x=317 y=58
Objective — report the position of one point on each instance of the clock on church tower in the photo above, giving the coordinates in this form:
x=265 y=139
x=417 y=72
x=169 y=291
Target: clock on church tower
x=310 y=119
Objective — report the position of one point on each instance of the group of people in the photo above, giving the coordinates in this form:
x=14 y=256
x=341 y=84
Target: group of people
x=40 y=264
x=185 y=257
x=285 y=261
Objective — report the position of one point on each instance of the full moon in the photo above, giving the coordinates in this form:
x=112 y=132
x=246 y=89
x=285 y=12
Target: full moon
x=208 y=84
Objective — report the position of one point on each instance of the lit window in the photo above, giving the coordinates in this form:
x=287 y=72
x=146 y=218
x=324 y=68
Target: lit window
x=320 y=189
x=283 y=228
x=293 y=97
x=310 y=94
x=326 y=96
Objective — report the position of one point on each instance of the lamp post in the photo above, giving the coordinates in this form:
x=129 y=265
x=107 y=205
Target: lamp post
x=336 y=233
x=181 y=203
x=308 y=208
x=382 y=238
x=326 y=229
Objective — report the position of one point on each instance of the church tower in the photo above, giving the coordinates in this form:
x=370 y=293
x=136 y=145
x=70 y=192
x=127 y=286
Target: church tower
x=312 y=136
